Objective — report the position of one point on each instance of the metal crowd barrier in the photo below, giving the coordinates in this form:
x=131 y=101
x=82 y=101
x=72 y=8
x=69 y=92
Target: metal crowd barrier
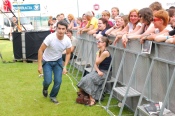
x=142 y=78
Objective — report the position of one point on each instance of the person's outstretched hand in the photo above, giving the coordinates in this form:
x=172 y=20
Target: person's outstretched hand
x=64 y=71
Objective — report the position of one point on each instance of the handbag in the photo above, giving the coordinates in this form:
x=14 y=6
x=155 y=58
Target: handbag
x=80 y=98
x=83 y=98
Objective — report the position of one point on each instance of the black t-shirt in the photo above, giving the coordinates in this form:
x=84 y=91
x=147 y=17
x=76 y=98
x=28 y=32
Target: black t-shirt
x=172 y=32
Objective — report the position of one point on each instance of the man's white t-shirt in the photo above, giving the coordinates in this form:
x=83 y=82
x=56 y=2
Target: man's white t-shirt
x=55 y=47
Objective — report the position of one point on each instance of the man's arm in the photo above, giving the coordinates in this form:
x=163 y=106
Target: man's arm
x=72 y=49
x=68 y=54
x=40 y=57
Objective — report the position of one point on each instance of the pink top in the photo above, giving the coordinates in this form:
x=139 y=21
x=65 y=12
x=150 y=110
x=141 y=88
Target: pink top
x=83 y=24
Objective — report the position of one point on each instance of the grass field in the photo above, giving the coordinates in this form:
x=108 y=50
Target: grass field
x=21 y=92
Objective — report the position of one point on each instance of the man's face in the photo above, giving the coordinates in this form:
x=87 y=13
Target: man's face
x=54 y=21
x=14 y=19
x=114 y=12
x=172 y=19
x=61 y=30
x=58 y=18
x=61 y=17
x=69 y=34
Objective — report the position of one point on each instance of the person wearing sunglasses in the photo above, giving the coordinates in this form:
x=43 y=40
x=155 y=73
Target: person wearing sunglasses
x=92 y=82
x=168 y=37
x=160 y=20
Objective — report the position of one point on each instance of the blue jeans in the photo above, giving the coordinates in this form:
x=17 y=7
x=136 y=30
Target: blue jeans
x=56 y=68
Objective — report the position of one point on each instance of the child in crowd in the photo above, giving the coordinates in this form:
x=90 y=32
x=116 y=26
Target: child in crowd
x=119 y=25
x=79 y=22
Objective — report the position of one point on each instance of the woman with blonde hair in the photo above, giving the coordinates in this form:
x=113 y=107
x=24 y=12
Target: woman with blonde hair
x=72 y=21
x=124 y=21
x=132 y=26
x=120 y=23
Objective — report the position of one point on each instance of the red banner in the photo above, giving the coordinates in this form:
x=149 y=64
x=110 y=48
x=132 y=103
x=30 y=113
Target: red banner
x=6 y=5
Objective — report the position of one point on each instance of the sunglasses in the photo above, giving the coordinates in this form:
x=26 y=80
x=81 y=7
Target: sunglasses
x=156 y=19
x=100 y=41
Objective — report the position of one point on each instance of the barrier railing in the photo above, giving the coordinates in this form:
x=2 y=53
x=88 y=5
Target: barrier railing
x=150 y=75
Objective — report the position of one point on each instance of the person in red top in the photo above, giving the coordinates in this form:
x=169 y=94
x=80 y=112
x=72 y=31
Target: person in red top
x=84 y=21
x=106 y=15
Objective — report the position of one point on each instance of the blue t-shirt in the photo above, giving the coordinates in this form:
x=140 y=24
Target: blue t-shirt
x=75 y=24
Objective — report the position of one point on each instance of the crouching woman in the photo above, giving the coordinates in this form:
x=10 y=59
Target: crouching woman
x=92 y=82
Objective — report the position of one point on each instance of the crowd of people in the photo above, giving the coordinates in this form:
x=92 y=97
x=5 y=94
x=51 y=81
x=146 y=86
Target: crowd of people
x=150 y=23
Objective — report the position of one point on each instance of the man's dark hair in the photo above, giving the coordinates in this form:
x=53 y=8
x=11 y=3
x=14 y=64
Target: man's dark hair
x=171 y=7
x=69 y=30
x=54 y=19
x=62 y=22
x=171 y=12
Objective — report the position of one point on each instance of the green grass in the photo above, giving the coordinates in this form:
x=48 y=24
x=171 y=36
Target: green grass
x=21 y=92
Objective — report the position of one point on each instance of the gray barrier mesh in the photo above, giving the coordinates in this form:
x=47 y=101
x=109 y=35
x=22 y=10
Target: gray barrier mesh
x=160 y=75
x=128 y=67
x=136 y=44
x=171 y=101
x=158 y=82
x=166 y=52
x=116 y=63
x=141 y=72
